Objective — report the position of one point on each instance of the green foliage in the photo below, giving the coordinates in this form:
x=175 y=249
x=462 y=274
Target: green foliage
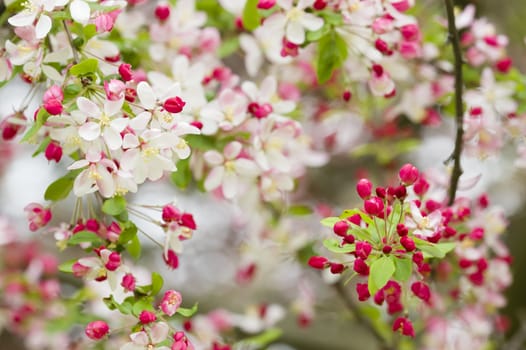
x=182 y=177
x=41 y=118
x=300 y=210
x=187 y=312
x=251 y=17
x=381 y=271
x=85 y=237
x=332 y=52
x=87 y=66
x=114 y=206
x=60 y=188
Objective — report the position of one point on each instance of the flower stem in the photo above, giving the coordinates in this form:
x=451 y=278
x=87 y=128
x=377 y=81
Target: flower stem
x=362 y=320
x=70 y=39
x=459 y=110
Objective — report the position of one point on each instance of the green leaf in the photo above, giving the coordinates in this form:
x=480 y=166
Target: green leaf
x=381 y=271
x=329 y=221
x=41 y=148
x=72 y=90
x=86 y=66
x=134 y=247
x=157 y=283
x=303 y=255
x=67 y=266
x=299 y=210
x=41 y=118
x=332 y=52
x=114 y=206
x=429 y=249
x=446 y=247
x=251 y=18
x=84 y=237
x=60 y=188
x=313 y=36
x=333 y=245
x=128 y=233
x=141 y=305
x=187 y=312
x=404 y=268
x=183 y=175
x=89 y=31
x=201 y=142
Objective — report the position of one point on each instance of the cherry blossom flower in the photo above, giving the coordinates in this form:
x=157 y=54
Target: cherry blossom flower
x=423 y=226
x=96 y=177
x=296 y=20
x=36 y=10
x=148 y=340
x=171 y=302
x=228 y=168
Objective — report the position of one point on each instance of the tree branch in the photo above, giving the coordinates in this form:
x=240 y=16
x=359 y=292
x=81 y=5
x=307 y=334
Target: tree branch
x=70 y=39
x=459 y=109
x=365 y=322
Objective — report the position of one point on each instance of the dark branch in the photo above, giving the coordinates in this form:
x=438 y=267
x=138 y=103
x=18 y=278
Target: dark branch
x=353 y=309
x=459 y=110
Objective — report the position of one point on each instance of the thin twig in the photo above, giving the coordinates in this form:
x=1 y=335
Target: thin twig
x=353 y=309
x=70 y=39
x=459 y=110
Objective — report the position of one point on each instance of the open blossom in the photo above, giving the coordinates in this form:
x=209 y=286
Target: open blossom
x=296 y=20
x=149 y=338
x=107 y=122
x=423 y=226
x=37 y=215
x=36 y=10
x=171 y=302
x=96 y=177
x=228 y=168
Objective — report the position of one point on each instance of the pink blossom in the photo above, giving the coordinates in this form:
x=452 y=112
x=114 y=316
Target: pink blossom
x=171 y=302
x=97 y=330
x=37 y=215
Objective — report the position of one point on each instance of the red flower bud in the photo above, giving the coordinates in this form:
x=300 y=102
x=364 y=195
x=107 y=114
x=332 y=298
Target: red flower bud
x=363 y=291
x=126 y=71
x=174 y=104
x=408 y=243
x=364 y=188
x=96 y=330
x=337 y=268
x=162 y=12
x=405 y=326
x=318 y=262
x=340 y=228
x=408 y=174
x=147 y=317
x=53 y=152
x=361 y=267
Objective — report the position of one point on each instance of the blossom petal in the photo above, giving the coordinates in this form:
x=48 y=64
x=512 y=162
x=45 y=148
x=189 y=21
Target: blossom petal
x=89 y=131
x=43 y=27
x=159 y=332
x=214 y=178
x=80 y=11
x=112 y=138
x=88 y=107
x=232 y=150
x=311 y=22
x=22 y=19
x=140 y=338
x=213 y=157
x=247 y=167
x=295 y=33
x=230 y=182
x=146 y=95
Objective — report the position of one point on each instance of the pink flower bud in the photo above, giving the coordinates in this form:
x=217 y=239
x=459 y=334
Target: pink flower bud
x=363 y=249
x=171 y=302
x=410 y=32
x=337 y=268
x=421 y=290
x=92 y=225
x=79 y=270
x=162 y=12
x=97 y=330
x=104 y=23
x=171 y=259
x=187 y=220
x=363 y=291
x=401 y=5
x=128 y=282
x=408 y=174
x=405 y=326
x=266 y=4
x=504 y=65
x=115 y=89
x=53 y=152
x=319 y=5
x=181 y=342
x=174 y=104
x=355 y=219
x=382 y=46
x=347 y=95
x=420 y=187
x=170 y=213
x=401 y=230
x=260 y=111
x=318 y=262
x=113 y=232
x=361 y=267
x=373 y=206
x=146 y=317
x=418 y=258
x=114 y=261
x=408 y=243
x=126 y=72
x=37 y=215
x=364 y=188
x=53 y=93
x=340 y=228
x=53 y=106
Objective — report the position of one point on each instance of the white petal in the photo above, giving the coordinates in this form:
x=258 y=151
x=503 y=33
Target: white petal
x=43 y=27
x=213 y=157
x=250 y=89
x=140 y=121
x=159 y=332
x=112 y=138
x=83 y=184
x=295 y=33
x=113 y=107
x=79 y=164
x=119 y=124
x=140 y=338
x=311 y=22
x=22 y=19
x=89 y=131
x=146 y=95
x=88 y=107
x=105 y=183
x=80 y=11
x=130 y=141
x=230 y=182
x=232 y=150
x=246 y=167
x=214 y=178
